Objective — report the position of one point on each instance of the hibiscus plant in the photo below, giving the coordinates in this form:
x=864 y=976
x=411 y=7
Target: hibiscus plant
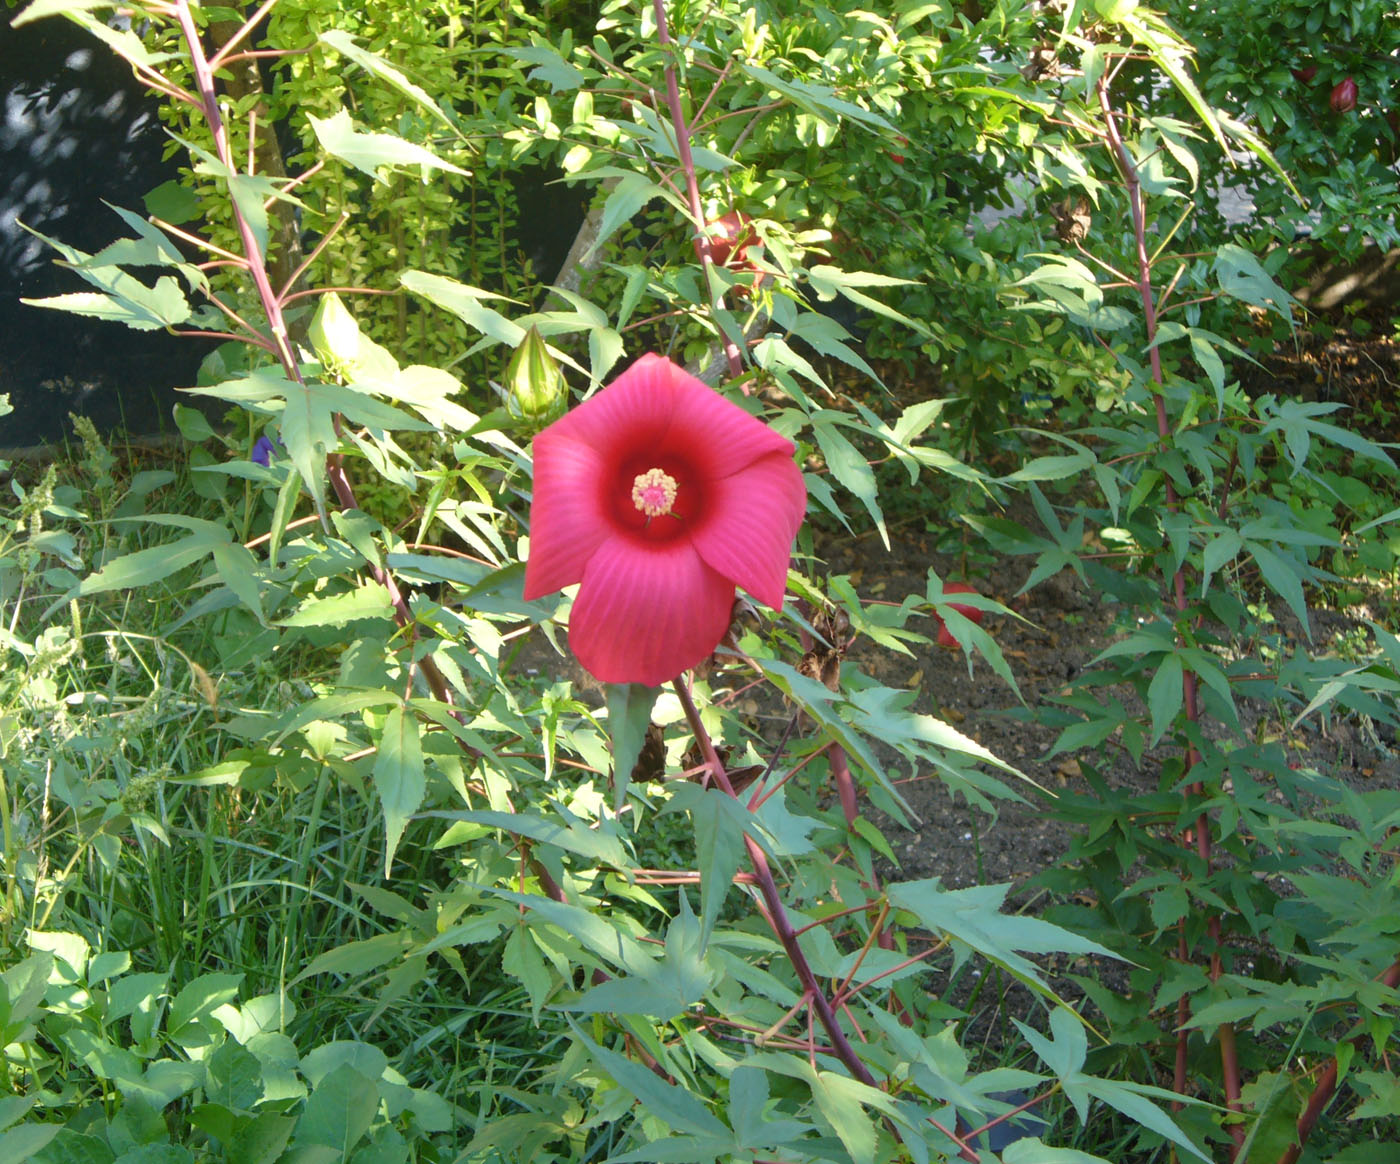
x=591 y=668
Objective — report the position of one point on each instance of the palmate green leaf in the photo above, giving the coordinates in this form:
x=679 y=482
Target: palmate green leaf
x=1132 y=1100
x=841 y=1100
x=754 y=1125
x=629 y=716
x=237 y=568
x=818 y=701
x=399 y=776
x=1284 y=577
x=828 y=282
x=973 y=916
x=1032 y=1150
x=138 y=307
x=671 y=985
x=344 y=44
x=851 y=469
x=151 y=247
x=819 y=100
x=610 y=942
x=719 y=822
x=549 y=66
x=328 y=707
x=374 y=153
x=368 y=601
x=625 y=201
x=569 y=832
x=677 y=1107
x=1064 y=1052
x=360 y=958
x=125 y=44
x=154 y=564
x=1165 y=695
x=468 y=304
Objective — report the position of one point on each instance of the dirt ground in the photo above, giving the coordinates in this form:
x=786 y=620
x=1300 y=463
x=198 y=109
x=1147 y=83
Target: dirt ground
x=1067 y=626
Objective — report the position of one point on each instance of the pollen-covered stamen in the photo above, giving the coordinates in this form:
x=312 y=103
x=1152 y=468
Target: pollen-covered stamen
x=654 y=492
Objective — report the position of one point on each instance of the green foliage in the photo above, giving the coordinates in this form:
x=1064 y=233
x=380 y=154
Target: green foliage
x=642 y=925
x=1278 y=69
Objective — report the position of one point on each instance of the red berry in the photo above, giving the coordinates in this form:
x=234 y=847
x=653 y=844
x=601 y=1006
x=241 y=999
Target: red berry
x=1344 y=96
x=945 y=637
x=1305 y=74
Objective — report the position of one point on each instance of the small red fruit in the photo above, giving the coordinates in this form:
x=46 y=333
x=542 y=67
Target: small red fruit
x=1344 y=96
x=1305 y=74
x=729 y=235
x=945 y=638
x=898 y=158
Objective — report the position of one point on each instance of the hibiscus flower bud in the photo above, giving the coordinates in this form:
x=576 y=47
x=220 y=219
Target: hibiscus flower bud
x=729 y=236
x=535 y=389
x=945 y=636
x=1344 y=96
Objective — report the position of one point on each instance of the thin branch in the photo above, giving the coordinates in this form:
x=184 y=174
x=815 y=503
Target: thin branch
x=311 y=258
x=703 y=243
x=773 y=904
x=220 y=58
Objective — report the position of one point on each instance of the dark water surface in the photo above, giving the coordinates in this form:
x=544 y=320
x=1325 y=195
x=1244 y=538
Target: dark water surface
x=75 y=128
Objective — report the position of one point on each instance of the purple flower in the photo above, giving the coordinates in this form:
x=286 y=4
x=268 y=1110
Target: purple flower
x=264 y=449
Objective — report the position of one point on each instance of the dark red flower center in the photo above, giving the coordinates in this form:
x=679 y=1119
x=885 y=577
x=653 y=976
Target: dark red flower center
x=656 y=496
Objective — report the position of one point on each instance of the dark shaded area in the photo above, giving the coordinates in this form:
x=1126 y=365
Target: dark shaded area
x=75 y=128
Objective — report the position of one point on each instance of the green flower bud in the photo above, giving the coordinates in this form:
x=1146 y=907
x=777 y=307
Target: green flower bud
x=342 y=348
x=535 y=388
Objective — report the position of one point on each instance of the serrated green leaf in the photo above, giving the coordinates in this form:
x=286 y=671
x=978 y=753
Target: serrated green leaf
x=373 y=153
x=399 y=776
x=1165 y=695
x=629 y=716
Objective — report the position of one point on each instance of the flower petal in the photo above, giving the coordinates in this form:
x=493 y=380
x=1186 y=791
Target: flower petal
x=752 y=518
x=657 y=405
x=728 y=438
x=567 y=524
x=639 y=404
x=645 y=613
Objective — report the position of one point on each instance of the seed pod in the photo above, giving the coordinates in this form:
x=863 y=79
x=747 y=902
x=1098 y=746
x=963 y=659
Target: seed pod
x=1344 y=96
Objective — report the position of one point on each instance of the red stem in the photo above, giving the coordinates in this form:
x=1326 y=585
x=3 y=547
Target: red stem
x=1327 y=1085
x=692 y=186
x=1226 y=1033
x=272 y=308
x=773 y=905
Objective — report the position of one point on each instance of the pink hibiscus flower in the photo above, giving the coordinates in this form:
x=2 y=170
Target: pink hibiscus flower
x=659 y=497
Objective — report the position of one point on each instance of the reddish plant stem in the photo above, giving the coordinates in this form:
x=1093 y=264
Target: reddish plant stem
x=692 y=186
x=1327 y=1085
x=272 y=305
x=1034 y=1101
x=272 y=308
x=774 y=908
x=1126 y=167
